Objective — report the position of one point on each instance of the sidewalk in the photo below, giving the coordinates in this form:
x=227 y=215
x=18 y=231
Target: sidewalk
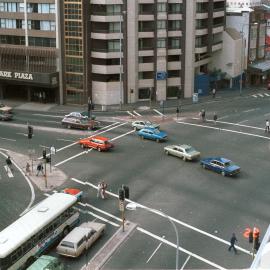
x=54 y=177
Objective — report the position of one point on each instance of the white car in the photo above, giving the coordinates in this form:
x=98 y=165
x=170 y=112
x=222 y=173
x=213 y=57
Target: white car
x=76 y=115
x=184 y=151
x=80 y=239
x=140 y=124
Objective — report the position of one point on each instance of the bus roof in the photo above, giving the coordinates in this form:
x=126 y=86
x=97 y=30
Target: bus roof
x=33 y=221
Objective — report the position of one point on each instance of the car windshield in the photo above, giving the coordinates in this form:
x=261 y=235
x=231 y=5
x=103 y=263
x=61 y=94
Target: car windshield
x=148 y=123
x=190 y=149
x=156 y=131
x=67 y=244
x=227 y=164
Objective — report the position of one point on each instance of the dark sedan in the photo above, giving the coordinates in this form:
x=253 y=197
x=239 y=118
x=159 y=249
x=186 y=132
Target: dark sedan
x=73 y=122
x=6 y=116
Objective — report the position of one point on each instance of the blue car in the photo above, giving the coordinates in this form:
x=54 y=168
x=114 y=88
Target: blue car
x=220 y=165
x=152 y=134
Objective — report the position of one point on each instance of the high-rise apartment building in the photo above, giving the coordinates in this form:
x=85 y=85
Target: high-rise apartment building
x=29 y=62
x=110 y=51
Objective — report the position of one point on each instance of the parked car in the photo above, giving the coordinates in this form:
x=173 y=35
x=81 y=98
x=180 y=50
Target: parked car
x=75 y=192
x=80 y=123
x=139 y=124
x=5 y=116
x=80 y=238
x=184 y=151
x=220 y=165
x=96 y=142
x=152 y=134
x=4 y=108
x=76 y=115
x=46 y=262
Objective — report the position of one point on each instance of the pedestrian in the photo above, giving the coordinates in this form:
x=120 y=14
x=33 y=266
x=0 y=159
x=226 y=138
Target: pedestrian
x=202 y=114
x=27 y=169
x=39 y=169
x=177 y=112
x=267 y=126
x=9 y=163
x=99 y=186
x=214 y=92
x=103 y=189
x=232 y=241
x=215 y=118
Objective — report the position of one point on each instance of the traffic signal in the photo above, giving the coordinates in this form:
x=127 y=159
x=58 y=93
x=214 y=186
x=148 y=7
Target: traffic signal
x=121 y=194
x=30 y=132
x=126 y=191
x=44 y=154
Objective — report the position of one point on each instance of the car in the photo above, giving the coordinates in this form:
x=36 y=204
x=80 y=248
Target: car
x=97 y=142
x=5 y=116
x=80 y=239
x=46 y=262
x=152 y=134
x=220 y=165
x=184 y=151
x=4 y=108
x=139 y=124
x=75 y=192
x=80 y=123
x=76 y=115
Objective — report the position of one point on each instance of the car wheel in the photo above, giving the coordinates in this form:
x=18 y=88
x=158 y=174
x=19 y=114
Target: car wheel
x=223 y=173
x=203 y=165
x=135 y=128
x=184 y=158
x=82 y=146
x=166 y=152
x=99 y=150
x=69 y=126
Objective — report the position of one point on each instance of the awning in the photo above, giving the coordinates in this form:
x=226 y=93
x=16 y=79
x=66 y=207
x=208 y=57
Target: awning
x=261 y=66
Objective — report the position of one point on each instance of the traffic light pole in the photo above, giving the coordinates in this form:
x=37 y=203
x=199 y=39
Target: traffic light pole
x=45 y=174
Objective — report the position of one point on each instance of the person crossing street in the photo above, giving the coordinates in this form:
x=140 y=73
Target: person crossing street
x=267 y=126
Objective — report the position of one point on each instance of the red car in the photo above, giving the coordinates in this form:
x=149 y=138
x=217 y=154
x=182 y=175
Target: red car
x=96 y=142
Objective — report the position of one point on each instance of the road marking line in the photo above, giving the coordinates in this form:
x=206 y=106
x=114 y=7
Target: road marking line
x=241 y=122
x=137 y=113
x=64 y=140
x=8 y=171
x=251 y=110
x=261 y=95
x=103 y=219
x=227 y=130
x=267 y=114
x=131 y=114
x=158 y=112
x=7 y=139
x=223 y=117
x=267 y=94
x=20 y=133
x=184 y=264
x=230 y=123
x=155 y=250
x=78 y=181
x=64 y=161
x=180 y=248
x=254 y=96
x=163 y=215
x=120 y=136
x=48 y=115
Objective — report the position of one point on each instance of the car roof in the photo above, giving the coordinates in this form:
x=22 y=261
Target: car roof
x=100 y=138
x=76 y=234
x=185 y=146
x=149 y=128
x=221 y=159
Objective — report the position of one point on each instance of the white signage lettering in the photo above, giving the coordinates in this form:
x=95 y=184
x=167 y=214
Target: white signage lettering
x=16 y=75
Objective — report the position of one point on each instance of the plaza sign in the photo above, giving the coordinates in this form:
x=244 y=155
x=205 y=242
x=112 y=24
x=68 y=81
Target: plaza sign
x=16 y=75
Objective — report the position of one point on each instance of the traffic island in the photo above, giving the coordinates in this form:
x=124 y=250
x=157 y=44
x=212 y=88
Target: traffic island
x=103 y=255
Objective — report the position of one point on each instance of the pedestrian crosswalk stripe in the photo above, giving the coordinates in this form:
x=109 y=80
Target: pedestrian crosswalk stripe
x=267 y=94
x=8 y=171
x=254 y=96
x=261 y=95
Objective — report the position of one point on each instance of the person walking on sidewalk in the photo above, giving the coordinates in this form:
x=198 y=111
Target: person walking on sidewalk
x=267 y=126
x=215 y=118
x=39 y=169
x=99 y=186
x=202 y=114
x=27 y=169
x=9 y=163
x=232 y=241
x=103 y=189
x=214 y=92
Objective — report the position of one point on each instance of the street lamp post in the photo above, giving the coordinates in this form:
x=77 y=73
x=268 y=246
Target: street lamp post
x=133 y=206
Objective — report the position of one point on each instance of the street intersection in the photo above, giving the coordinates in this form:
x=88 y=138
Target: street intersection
x=205 y=206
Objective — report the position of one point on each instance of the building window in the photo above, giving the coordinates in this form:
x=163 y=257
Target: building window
x=114 y=27
x=161 y=43
x=173 y=73
x=144 y=93
x=174 y=43
x=161 y=24
x=42 y=42
x=113 y=45
x=113 y=9
x=174 y=25
x=161 y=7
x=8 y=7
x=174 y=8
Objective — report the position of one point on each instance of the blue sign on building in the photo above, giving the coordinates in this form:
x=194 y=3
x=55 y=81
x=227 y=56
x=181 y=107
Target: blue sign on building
x=161 y=75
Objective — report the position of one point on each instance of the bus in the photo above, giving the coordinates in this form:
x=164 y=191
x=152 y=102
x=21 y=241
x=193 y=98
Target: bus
x=38 y=229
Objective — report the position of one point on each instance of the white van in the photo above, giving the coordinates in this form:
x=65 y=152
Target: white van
x=80 y=239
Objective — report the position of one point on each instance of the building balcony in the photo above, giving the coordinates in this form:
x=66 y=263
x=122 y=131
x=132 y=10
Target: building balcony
x=106 y=36
x=175 y=16
x=146 y=34
x=106 y=2
x=217 y=46
x=174 y=51
x=103 y=69
x=174 y=33
x=201 y=15
x=200 y=48
x=146 y=52
x=146 y=67
x=146 y=1
x=106 y=17
x=201 y=31
x=218 y=28
x=202 y=62
x=143 y=83
x=146 y=17
x=105 y=54
x=173 y=81
x=219 y=13
x=176 y=65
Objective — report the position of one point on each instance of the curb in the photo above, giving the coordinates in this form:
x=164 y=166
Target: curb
x=103 y=255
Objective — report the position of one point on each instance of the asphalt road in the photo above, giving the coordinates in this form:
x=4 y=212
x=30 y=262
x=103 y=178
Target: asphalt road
x=206 y=207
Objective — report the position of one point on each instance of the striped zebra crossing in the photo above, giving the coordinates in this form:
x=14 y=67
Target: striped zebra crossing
x=261 y=95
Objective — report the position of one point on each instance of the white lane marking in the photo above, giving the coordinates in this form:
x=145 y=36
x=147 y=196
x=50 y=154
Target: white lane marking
x=180 y=248
x=66 y=160
x=155 y=250
x=241 y=122
x=254 y=96
x=223 y=117
x=137 y=113
x=261 y=95
x=26 y=178
x=103 y=219
x=131 y=114
x=267 y=114
x=184 y=264
x=120 y=136
x=230 y=123
x=251 y=110
x=267 y=94
x=8 y=171
x=65 y=140
x=7 y=139
x=158 y=112
x=20 y=133
x=48 y=115
x=51 y=121
x=163 y=215
x=224 y=129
